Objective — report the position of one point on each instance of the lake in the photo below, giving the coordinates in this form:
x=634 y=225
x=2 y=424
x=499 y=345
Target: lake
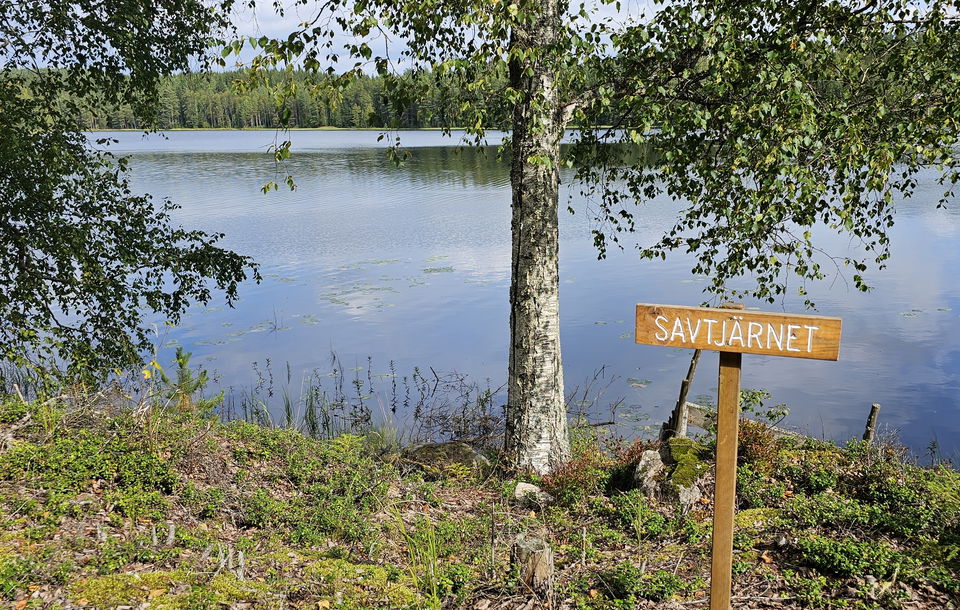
x=410 y=266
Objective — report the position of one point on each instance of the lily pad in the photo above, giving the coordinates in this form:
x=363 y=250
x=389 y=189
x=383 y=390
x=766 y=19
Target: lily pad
x=636 y=382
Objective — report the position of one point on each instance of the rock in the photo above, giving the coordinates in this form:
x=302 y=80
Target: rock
x=532 y=557
x=436 y=457
x=529 y=494
x=683 y=482
x=688 y=496
x=648 y=473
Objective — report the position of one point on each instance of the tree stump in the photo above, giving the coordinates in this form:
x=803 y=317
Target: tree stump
x=534 y=558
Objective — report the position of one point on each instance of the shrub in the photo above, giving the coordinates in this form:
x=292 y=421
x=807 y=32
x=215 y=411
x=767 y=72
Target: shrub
x=849 y=557
x=634 y=514
x=756 y=490
x=69 y=463
x=14 y=573
x=757 y=446
x=628 y=582
x=580 y=478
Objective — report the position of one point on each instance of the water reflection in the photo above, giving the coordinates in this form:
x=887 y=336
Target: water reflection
x=412 y=264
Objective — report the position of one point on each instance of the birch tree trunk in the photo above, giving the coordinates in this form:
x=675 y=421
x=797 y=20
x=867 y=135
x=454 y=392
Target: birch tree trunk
x=536 y=427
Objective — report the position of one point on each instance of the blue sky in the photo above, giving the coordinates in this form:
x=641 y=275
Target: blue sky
x=263 y=21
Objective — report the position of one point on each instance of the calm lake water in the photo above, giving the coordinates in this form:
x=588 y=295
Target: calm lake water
x=412 y=265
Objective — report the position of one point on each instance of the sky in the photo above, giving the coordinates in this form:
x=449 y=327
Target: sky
x=264 y=20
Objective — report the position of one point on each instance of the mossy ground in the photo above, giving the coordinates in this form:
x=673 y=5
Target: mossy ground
x=105 y=507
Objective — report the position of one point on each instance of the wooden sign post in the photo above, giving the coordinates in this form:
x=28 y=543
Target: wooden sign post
x=733 y=332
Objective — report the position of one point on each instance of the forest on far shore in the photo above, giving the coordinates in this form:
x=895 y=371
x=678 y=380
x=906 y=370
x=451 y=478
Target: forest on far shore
x=214 y=101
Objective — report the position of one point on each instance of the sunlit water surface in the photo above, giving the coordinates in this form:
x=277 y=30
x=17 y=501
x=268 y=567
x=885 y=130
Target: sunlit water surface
x=411 y=265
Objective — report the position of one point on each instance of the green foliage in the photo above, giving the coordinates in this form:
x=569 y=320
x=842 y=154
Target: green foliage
x=794 y=106
x=430 y=546
x=116 y=554
x=756 y=490
x=688 y=528
x=261 y=509
x=810 y=592
x=628 y=582
x=12 y=410
x=85 y=256
x=137 y=504
x=634 y=514
x=812 y=114
x=423 y=552
x=585 y=475
x=849 y=557
x=205 y=502
x=75 y=459
x=851 y=489
x=339 y=483
x=812 y=475
x=753 y=401
x=189 y=382
x=214 y=101
x=327 y=520
x=834 y=510
x=341 y=488
x=14 y=572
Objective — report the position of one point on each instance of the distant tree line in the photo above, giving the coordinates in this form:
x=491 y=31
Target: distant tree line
x=215 y=101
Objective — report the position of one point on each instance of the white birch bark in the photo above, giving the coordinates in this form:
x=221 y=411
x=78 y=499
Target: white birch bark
x=536 y=431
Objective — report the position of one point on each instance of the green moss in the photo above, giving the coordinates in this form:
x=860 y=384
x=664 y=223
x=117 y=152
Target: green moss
x=680 y=447
x=756 y=517
x=688 y=465
x=120 y=589
x=229 y=589
x=360 y=585
x=158 y=588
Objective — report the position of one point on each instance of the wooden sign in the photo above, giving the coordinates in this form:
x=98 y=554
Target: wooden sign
x=746 y=332
x=733 y=332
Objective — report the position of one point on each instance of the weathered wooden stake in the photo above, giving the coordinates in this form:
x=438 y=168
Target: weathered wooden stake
x=871 y=428
x=725 y=486
x=676 y=426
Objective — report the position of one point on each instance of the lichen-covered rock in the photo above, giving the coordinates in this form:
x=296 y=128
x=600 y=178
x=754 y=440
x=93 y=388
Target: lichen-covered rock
x=529 y=494
x=686 y=470
x=648 y=473
x=438 y=458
